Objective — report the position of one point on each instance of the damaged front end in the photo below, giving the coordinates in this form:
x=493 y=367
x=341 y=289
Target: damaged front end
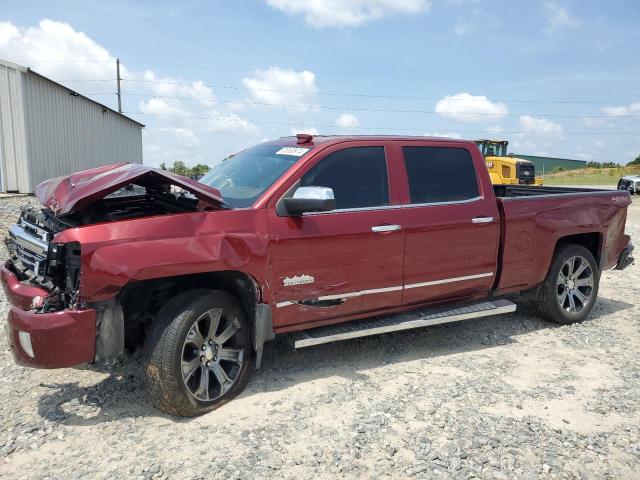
x=47 y=328
x=53 y=322
x=37 y=260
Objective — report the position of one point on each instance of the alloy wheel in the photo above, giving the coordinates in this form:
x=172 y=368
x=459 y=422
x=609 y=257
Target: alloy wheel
x=575 y=284
x=212 y=355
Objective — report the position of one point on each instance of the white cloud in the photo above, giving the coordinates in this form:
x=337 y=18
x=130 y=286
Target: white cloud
x=619 y=111
x=539 y=125
x=178 y=87
x=185 y=136
x=236 y=105
x=158 y=106
x=347 y=13
x=495 y=129
x=465 y=107
x=229 y=123
x=181 y=121
x=453 y=135
x=558 y=16
x=57 y=50
x=280 y=86
x=346 y=120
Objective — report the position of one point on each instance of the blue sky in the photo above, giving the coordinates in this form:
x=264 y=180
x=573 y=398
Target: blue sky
x=554 y=77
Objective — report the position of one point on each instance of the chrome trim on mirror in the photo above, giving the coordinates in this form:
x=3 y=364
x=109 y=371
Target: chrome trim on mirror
x=314 y=193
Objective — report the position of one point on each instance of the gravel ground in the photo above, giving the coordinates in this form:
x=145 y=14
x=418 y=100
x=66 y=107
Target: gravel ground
x=504 y=397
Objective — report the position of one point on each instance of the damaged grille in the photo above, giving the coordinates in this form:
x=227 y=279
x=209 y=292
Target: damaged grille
x=36 y=259
x=30 y=248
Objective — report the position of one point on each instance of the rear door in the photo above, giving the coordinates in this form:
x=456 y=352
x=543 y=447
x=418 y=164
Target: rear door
x=343 y=262
x=451 y=224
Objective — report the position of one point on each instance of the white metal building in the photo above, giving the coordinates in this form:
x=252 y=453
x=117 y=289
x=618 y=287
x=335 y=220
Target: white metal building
x=48 y=130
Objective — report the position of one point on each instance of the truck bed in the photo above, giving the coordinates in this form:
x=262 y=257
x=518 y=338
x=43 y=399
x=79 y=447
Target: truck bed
x=534 y=219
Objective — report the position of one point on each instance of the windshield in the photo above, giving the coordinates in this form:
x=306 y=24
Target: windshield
x=241 y=179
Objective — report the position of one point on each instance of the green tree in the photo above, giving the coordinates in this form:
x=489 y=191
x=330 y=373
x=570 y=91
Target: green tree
x=163 y=166
x=180 y=168
x=634 y=162
x=199 y=170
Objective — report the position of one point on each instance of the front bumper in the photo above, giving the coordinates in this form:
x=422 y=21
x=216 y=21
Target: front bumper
x=626 y=258
x=58 y=339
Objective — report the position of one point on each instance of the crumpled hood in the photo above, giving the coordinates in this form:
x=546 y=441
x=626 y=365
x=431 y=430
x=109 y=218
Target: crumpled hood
x=68 y=194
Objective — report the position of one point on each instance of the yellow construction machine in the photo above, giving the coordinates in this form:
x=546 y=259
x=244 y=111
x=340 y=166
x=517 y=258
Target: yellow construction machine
x=504 y=169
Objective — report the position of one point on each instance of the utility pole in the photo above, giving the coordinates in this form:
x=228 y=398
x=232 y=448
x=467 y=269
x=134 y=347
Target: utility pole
x=119 y=92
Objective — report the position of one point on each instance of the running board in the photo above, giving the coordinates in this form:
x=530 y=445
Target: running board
x=401 y=321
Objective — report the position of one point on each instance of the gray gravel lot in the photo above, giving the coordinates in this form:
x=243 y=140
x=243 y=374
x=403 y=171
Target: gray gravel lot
x=504 y=397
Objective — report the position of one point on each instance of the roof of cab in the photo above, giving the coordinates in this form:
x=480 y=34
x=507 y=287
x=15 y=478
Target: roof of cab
x=333 y=139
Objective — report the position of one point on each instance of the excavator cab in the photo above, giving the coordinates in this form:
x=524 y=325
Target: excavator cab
x=505 y=169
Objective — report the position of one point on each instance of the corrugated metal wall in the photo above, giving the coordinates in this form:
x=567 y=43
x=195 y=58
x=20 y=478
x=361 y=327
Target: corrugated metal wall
x=13 y=147
x=67 y=133
x=549 y=164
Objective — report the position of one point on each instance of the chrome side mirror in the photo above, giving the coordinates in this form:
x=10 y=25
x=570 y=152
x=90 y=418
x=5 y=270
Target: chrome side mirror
x=310 y=199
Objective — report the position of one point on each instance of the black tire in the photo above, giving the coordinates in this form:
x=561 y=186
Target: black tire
x=168 y=351
x=550 y=304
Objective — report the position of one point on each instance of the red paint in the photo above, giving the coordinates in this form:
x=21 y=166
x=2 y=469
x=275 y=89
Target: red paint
x=19 y=294
x=59 y=339
x=337 y=249
x=74 y=192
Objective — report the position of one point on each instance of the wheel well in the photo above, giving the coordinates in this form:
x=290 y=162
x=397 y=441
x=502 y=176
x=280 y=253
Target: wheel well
x=141 y=300
x=591 y=241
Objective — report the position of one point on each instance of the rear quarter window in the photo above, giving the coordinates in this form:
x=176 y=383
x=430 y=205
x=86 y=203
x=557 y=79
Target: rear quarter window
x=440 y=174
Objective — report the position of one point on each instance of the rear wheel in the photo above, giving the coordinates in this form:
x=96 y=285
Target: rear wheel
x=198 y=353
x=571 y=287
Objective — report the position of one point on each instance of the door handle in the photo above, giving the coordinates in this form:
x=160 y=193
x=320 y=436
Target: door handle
x=480 y=220
x=385 y=228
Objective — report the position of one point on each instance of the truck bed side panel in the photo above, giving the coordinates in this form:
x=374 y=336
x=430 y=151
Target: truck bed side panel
x=534 y=225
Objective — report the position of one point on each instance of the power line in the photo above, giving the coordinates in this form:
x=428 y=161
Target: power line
x=363 y=95
x=375 y=110
x=247 y=69
x=298 y=125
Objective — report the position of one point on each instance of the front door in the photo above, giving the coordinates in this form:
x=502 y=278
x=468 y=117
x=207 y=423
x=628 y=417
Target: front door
x=343 y=262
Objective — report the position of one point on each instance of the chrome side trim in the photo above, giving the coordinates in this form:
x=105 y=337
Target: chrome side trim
x=434 y=204
x=340 y=296
x=349 y=210
x=393 y=207
x=448 y=280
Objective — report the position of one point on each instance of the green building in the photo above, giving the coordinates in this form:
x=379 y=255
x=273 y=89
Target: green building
x=544 y=165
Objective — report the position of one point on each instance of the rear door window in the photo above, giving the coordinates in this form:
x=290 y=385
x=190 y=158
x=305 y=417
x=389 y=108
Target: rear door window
x=440 y=174
x=357 y=175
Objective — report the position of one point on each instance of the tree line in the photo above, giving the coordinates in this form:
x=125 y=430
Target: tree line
x=180 y=168
x=612 y=164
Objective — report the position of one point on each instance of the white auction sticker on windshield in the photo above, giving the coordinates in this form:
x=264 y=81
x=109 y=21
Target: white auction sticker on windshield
x=294 y=151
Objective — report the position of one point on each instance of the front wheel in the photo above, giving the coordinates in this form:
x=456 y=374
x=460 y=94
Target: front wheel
x=198 y=353
x=571 y=287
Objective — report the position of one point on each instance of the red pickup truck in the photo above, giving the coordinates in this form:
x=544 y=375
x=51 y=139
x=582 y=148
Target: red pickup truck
x=323 y=238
